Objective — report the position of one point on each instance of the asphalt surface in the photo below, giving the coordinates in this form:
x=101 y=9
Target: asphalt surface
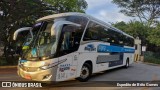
x=136 y=72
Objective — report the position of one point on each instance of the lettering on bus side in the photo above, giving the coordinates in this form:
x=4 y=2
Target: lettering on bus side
x=64 y=67
x=111 y=48
x=90 y=47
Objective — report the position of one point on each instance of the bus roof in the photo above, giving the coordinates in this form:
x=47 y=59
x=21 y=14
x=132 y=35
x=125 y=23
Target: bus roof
x=50 y=17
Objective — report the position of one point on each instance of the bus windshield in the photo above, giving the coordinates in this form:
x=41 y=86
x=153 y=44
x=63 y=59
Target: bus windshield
x=50 y=34
x=43 y=45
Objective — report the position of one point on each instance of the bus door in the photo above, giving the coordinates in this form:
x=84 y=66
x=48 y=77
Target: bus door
x=67 y=47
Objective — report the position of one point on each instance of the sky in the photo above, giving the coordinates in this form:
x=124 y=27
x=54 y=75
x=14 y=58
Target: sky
x=106 y=11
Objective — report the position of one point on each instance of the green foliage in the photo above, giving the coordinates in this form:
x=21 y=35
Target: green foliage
x=2 y=61
x=137 y=29
x=149 y=36
x=134 y=28
x=154 y=36
x=152 y=57
x=120 y=25
x=60 y=6
x=18 y=13
x=21 y=13
x=148 y=12
x=145 y=10
x=13 y=61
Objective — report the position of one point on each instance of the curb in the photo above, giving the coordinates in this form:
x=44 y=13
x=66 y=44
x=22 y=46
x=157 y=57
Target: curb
x=152 y=64
x=3 y=67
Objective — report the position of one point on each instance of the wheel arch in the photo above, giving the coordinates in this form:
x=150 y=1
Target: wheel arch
x=90 y=63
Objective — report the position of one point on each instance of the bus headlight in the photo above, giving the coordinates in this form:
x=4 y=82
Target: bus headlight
x=44 y=67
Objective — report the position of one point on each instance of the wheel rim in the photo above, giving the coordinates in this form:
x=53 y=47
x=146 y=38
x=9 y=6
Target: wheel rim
x=84 y=72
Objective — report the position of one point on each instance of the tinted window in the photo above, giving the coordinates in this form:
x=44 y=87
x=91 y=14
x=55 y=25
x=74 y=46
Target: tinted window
x=93 y=32
x=70 y=39
x=45 y=37
x=131 y=42
x=104 y=35
x=128 y=41
x=121 y=40
x=78 y=19
x=114 y=36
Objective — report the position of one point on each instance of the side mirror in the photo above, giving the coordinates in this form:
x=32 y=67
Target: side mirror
x=21 y=30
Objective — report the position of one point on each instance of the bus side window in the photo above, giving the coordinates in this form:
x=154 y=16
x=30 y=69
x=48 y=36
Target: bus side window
x=128 y=41
x=120 y=36
x=114 y=37
x=92 y=32
x=70 y=39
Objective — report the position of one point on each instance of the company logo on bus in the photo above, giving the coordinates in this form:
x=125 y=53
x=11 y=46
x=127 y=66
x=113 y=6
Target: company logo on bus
x=64 y=67
x=90 y=47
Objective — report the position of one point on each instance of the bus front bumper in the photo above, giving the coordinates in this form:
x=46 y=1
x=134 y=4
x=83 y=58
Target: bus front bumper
x=47 y=75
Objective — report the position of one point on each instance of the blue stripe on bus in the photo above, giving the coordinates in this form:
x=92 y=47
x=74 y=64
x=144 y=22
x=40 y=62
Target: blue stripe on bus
x=110 y=48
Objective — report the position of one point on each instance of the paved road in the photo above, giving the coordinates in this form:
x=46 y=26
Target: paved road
x=136 y=72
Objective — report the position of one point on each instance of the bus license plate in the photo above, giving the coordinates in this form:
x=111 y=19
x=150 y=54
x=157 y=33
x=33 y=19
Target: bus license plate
x=28 y=77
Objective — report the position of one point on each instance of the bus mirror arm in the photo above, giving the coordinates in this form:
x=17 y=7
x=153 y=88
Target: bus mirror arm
x=21 y=30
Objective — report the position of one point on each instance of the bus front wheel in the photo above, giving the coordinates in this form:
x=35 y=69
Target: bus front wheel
x=85 y=73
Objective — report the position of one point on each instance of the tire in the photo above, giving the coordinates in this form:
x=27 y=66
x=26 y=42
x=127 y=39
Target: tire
x=127 y=63
x=85 y=73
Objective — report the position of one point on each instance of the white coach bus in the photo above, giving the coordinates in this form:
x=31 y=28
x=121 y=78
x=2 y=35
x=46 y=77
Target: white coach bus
x=73 y=45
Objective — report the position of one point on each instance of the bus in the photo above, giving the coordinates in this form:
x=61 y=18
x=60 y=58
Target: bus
x=74 y=45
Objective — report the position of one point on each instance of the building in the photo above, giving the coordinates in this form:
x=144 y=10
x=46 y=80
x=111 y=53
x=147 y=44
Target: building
x=138 y=49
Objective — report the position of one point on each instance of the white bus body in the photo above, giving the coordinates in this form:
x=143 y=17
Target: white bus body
x=64 y=49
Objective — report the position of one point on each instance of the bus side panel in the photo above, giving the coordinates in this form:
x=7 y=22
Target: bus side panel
x=66 y=70
x=103 y=56
x=83 y=57
x=130 y=56
x=89 y=52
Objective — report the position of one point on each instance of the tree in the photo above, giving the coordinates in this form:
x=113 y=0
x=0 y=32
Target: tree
x=14 y=14
x=135 y=29
x=20 y=13
x=120 y=25
x=154 y=36
x=145 y=10
x=61 y=6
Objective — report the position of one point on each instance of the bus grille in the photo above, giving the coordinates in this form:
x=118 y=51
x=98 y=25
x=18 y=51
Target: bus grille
x=29 y=69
